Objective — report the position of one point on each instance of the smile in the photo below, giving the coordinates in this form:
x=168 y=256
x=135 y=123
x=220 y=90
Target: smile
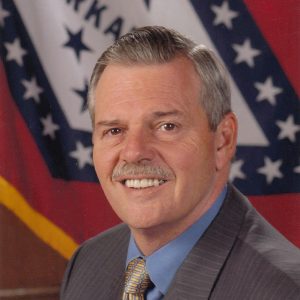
x=143 y=183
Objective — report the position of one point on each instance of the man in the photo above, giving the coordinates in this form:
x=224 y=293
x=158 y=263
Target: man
x=164 y=136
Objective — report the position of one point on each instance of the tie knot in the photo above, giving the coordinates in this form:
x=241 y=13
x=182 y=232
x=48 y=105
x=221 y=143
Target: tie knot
x=136 y=278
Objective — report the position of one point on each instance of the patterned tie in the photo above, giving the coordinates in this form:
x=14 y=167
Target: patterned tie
x=136 y=280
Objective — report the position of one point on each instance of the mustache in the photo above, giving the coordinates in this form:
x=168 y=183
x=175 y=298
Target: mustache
x=132 y=169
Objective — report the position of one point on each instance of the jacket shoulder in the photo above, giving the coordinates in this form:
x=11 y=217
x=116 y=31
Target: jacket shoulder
x=262 y=262
x=103 y=239
x=100 y=259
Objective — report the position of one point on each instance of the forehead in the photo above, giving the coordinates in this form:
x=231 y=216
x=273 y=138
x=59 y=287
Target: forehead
x=175 y=84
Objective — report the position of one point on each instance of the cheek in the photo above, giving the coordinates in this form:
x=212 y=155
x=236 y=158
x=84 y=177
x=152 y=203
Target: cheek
x=193 y=163
x=103 y=162
x=197 y=178
x=192 y=154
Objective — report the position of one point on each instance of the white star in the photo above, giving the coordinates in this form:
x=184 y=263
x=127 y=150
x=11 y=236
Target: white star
x=15 y=51
x=297 y=169
x=82 y=154
x=32 y=89
x=236 y=171
x=288 y=129
x=245 y=53
x=271 y=169
x=49 y=126
x=267 y=91
x=224 y=15
x=3 y=14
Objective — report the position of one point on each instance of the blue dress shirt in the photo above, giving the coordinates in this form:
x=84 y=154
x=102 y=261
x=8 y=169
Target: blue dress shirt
x=164 y=262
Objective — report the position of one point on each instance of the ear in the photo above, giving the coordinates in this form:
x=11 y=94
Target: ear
x=226 y=139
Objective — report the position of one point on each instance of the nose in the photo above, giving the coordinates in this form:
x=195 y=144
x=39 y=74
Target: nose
x=137 y=147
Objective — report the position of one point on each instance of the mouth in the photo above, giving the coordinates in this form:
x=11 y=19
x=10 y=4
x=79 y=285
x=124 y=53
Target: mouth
x=143 y=183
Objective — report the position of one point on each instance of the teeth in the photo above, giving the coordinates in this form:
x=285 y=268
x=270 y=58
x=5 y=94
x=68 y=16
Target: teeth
x=143 y=183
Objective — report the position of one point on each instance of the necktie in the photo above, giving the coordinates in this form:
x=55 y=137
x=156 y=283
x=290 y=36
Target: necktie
x=136 y=280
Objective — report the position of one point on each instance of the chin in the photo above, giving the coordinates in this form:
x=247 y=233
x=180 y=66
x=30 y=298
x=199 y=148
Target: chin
x=141 y=223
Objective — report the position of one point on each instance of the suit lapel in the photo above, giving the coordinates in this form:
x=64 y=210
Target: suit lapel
x=196 y=277
x=113 y=268
x=115 y=289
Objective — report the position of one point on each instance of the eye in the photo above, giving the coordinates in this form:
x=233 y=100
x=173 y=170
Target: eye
x=113 y=131
x=167 y=127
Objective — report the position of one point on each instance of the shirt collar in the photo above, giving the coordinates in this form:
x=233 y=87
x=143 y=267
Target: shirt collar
x=164 y=262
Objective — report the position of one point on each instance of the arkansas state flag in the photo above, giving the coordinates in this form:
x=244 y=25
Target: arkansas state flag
x=48 y=49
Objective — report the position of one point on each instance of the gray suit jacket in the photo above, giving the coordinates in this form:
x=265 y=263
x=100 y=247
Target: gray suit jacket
x=240 y=256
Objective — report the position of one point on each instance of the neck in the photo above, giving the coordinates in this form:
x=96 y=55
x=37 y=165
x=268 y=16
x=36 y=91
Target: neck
x=150 y=240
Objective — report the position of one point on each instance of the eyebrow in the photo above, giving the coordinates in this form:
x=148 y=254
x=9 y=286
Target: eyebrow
x=160 y=114
x=108 y=123
x=156 y=114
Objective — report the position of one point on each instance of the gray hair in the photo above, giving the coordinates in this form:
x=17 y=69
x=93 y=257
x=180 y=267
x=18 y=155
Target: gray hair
x=158 y=45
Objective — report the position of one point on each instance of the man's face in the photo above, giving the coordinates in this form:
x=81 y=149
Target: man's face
x=154 y=152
